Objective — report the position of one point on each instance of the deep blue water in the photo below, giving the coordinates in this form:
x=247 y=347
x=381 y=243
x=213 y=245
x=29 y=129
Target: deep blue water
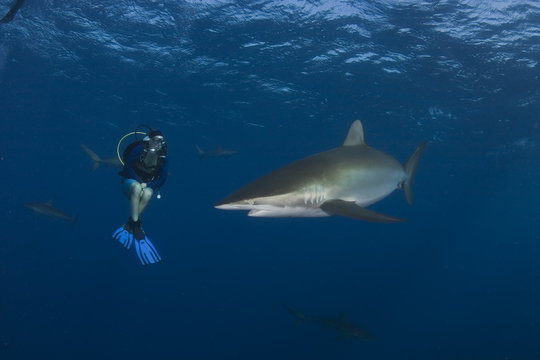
x=277 y=81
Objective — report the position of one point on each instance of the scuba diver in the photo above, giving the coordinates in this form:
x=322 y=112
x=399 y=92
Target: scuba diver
x=145 y=171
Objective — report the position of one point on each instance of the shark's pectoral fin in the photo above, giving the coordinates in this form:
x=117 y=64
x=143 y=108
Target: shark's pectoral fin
x=351 y=210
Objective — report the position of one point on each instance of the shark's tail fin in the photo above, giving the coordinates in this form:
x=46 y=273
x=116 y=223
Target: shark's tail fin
x=200 y=151
x=410 y=167
x=92 y=155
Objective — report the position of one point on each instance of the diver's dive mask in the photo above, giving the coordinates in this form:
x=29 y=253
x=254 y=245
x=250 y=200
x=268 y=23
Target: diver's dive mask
x=153 y=150
x=156 y=143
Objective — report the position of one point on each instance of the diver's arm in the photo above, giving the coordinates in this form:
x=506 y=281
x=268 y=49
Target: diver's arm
x=129 y=167
x=162 y=177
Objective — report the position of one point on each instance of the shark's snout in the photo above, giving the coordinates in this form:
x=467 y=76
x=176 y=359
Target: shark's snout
x=237 y=205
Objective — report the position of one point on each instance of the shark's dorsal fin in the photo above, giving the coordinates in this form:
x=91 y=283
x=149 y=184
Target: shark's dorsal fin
x=355 y=136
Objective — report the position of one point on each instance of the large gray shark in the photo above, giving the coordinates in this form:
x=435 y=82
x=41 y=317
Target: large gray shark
x=341 y=181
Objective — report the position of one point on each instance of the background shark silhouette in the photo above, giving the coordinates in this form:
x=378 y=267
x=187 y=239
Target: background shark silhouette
x=48 y=209
x=339 y=323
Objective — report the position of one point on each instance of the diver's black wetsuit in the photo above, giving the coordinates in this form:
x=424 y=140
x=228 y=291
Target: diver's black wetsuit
x=134 y=169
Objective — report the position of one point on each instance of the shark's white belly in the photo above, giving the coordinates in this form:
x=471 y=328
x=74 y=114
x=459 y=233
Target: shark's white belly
x=286 y=211
x=363 y=188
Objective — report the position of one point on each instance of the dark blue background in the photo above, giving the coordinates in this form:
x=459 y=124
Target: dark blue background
x=459 y=280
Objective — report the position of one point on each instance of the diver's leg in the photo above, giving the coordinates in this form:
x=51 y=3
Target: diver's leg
x=146 y=195
x=135 y=200
x=125 y=233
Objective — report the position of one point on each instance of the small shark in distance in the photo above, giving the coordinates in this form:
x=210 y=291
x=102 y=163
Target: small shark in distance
x=341 y=181
x=48 y=209
x=12 y=11
x=218 y=152
x=96 y=160
x=340 y=323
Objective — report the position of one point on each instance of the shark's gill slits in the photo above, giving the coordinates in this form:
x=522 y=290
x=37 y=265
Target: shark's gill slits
x=314 y=194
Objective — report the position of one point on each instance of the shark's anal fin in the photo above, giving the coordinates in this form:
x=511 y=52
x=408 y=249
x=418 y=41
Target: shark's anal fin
x=351 y=210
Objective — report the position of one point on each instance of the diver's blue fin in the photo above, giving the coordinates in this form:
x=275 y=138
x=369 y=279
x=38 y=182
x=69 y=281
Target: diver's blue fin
x=146 y=251
x=124 y=236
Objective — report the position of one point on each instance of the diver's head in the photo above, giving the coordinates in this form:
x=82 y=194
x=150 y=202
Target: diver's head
x=154 y=148
x=154 y=141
